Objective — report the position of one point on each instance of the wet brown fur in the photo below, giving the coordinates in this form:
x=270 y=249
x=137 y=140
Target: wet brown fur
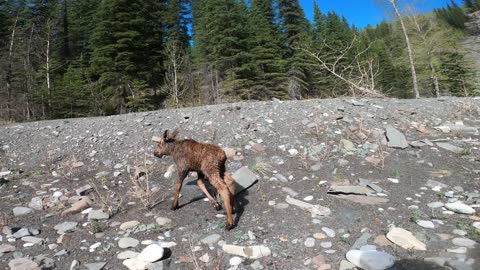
x=207 y=160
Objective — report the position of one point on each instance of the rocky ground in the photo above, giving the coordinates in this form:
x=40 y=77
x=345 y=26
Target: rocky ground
x=342 y=183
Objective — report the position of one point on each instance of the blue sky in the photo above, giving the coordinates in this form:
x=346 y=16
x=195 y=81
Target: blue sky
x=364 y=12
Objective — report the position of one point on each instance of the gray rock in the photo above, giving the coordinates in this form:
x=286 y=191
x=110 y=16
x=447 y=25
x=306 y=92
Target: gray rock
x=21 y=211
x=396 y=139
x=459 y=250
x=135 y=264
x=128 y=242
x=370 y=260
x=361 y=241
x=6 y=248
x=163 y=221
x=244 y=178
x=211 y=239
x=346 y=265
x=33 y=240
x=66 y=227
x=426 y=224
x=326 y=244
x=151 y=253
x=98 y=215
x=458 y=265
x=281 y=178
x=435 y=184
x=290 y=191
x=36 y=203
x=21 y=233
x=309 y=242
x=23 y=264
x=128 y=254
x=329 y=232
x=450 y=147
x=459 y=207
x=44 y=262
x=435 y=204
x=349 y=190
x=95 y=266
x=460 y=232
x=84 y=190
x=440 y=261
x=464 y=242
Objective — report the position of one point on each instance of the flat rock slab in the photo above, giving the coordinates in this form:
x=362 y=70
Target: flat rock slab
x=396 y=139
x=315 y=210
x=251 y=252
x=128 y=242
x=368 y=200
x=151 y=253
x=459 y=207
x=405 y=239
x=450 y=147
x=98 y=215
x=66 y=227
x=21 y=211
x=23 y=264
x=244 y=178
x=211 y=239
x=95 y=266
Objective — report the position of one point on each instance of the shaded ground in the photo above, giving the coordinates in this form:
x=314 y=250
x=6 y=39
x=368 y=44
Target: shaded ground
x=43 y=156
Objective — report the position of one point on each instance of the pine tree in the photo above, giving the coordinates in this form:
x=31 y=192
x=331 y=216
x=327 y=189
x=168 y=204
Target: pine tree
x=295 y=29
x=116 y=49
x=267 y=60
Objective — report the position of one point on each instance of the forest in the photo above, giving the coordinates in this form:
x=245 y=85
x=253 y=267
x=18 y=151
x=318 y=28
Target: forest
x=79 y=58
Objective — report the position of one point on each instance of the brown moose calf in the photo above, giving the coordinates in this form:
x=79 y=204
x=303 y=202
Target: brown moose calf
x=207 y=160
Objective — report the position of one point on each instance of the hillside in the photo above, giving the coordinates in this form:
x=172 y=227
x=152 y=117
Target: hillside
x=331 y=153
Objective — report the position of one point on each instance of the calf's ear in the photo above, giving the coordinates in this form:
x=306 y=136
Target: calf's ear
x=165 y=134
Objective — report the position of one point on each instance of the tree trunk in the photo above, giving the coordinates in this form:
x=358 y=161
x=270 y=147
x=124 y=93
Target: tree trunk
x=49 y=83
x=409 y=48
x=435 y=80
x=8 y=78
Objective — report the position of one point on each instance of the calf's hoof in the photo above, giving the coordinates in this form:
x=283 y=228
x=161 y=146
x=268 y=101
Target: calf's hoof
x=229 y=227
x=173 y=208
x=217 y=207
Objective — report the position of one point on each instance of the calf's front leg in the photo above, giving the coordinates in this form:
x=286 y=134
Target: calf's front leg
x=178 y=187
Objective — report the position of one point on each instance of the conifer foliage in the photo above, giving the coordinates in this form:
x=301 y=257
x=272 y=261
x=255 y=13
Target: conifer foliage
x=72 y=58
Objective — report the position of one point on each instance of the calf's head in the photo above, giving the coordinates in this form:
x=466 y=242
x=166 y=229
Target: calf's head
x=166 y=145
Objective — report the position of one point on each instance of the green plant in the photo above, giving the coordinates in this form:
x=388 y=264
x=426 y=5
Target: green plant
x=396 y=173
x=415 y=217
x=95 y=227
x=261 y=168
x=466 y=152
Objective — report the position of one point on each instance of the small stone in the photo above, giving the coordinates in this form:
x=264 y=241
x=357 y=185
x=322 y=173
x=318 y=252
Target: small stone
x=98 y=215
x=235 y=261
x=36 y=203
x=21 y=233
x=205 y=258
x=435 y=204
x=293 y=152
x=128 y=254
x=128 y=242
x=151 y=253
x=426 y=224
x=95 y=266
x=326 y=244
x=460 y=232
x=129 y=224
x=459 y=250
x=21 y=211
x=309 y=242
x=135 y=264
x=251 y=252
x=459 y=207
x=371 y=260
x=346 y=265
x=381 y=240
x=458 y=265
x=84 y=190
x=405 y=239
x=211 y=239
x=308 y=198
x=163 y=221
x=256 y=265
x=319 y=236
x=23 y=264
x=328 y=231
x=33 y=240
x=5 y=248
x=396 y=139
x=464 y=242
x=66 y=227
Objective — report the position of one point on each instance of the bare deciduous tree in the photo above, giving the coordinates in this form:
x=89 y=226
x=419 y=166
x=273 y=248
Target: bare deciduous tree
x=360 y=74
x=409 y=47
x=174 y=78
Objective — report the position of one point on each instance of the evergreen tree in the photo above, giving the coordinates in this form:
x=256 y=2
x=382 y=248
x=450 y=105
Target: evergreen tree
x=295 y=29
x=267 y=54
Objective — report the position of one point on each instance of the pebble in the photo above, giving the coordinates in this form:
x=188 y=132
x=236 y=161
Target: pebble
x=308 y=198
x=128 y=254
x=21 y=211
x=435 y=204
x=211 y=239
x=328 y=231
x=95 y=266
x=370 y=260
x=5 y=248
x=66 y=227
x=98 y=215
x=464 y=242
x=235 y=261
x=309 y=242
x=23 y=264
x=129 y=224
x=459 y=250
x=163 y=221
x=205 y=258
x=426 y=224
x=135 y=264
x=319 y=236
x=405 y=239
x=128 y=242
x=459 y=207
x=151 y=253
x=326 y=244
x=460 y=232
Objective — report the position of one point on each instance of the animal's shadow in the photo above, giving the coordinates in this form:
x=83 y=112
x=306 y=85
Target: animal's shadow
x=240 y=199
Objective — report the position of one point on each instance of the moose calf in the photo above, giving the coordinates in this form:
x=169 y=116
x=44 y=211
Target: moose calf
x=207 y=160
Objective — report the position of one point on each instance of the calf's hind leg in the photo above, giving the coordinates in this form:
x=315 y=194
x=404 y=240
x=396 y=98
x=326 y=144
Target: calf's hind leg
x=201 y=185
x=178 y=187
x=227 y=197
